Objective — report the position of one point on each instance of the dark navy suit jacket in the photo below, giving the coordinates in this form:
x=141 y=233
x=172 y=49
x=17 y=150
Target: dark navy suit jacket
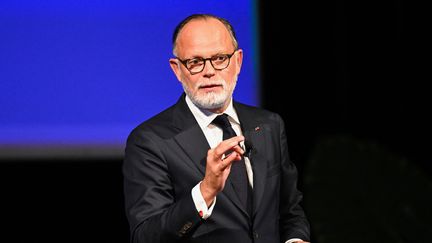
x=166 y=157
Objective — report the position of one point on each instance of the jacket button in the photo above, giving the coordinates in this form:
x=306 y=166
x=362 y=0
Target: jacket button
x=186 y=226
x=255 y=235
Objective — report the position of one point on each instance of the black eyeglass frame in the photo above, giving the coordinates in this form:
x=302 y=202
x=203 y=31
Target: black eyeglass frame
x=184 y=62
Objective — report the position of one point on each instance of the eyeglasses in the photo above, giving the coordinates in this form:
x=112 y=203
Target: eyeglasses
x=197 y=64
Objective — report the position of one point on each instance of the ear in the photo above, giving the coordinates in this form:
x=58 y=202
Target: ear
x=239 y=60
x=175 y=66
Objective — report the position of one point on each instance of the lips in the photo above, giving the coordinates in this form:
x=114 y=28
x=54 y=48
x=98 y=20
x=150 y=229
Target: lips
x=210 y=87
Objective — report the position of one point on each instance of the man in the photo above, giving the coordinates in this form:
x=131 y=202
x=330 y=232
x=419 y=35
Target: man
x=187 y=179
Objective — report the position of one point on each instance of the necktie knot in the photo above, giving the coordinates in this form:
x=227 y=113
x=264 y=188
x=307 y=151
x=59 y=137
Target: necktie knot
x=222 y=121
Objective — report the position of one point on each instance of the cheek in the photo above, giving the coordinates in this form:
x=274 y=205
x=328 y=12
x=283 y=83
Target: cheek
x=190 y=83
x=230 y=77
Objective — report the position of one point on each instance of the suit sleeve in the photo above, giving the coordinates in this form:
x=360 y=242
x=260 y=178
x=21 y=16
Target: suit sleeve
x=293 y=221
x=154 y=213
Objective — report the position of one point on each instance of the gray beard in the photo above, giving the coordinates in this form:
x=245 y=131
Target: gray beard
x=211 y=100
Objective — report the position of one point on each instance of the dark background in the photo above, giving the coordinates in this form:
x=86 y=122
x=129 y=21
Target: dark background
x=347 y=78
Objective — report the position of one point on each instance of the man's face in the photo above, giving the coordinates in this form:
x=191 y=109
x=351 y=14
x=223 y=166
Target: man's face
x=210 y=89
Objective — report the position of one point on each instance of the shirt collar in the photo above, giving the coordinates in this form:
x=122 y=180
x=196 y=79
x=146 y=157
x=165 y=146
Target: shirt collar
x=205 y=117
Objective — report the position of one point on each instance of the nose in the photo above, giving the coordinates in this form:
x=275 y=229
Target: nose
x=209 y=70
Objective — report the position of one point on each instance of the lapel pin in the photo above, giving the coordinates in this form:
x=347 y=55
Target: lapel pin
x=257 y=128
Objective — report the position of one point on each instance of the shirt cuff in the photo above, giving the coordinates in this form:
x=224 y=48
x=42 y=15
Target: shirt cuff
x=200 y=203
x=293 y=240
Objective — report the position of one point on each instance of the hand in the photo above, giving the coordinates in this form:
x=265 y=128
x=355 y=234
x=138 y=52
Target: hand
x=218 y=167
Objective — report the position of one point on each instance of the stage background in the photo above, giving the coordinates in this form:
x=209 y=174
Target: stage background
x=78 y=76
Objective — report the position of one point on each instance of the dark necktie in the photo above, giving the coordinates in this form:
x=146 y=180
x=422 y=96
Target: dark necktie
x=238 y=174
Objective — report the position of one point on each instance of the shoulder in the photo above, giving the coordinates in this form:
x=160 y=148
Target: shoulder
x=159 y=125
x=257 y=113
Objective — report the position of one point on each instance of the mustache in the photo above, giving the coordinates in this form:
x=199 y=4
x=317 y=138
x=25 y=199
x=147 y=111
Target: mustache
x=212 y=83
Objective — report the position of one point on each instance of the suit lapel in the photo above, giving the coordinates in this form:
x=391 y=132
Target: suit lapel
x=191 y=138
x=254 y=133
x=257 y=138
x=195 y=145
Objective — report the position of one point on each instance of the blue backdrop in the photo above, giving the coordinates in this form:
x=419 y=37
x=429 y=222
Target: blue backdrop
x=87 y=72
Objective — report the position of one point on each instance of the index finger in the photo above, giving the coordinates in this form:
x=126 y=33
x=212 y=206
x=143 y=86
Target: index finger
x=228 y=144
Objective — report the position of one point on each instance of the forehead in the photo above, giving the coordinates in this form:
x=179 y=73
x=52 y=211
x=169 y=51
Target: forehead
x=203 y=37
